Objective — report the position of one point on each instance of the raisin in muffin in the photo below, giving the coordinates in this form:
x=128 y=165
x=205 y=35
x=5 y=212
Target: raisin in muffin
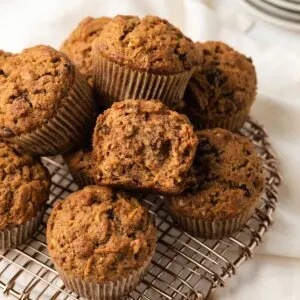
x=140 y=144
x=230 y=181
x=78 y=46
x=80 y=164
x=222 y=92
x=46 y=106
x=101 y=242
x=24 y=190
x=146 y=58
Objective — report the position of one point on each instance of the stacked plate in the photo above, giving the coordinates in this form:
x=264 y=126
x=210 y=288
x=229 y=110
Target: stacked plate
x=284 y=13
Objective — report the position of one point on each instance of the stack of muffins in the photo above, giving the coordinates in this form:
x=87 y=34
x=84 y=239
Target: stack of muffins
x=168 y=110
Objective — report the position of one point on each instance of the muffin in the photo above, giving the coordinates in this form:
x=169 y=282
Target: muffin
x=46 y=106
x=222 y=92
x=80 y=165
x=101 y=242
x=24 y=190
x=78 y=46
x=3 y=57
x=229 y=182
x=140 y=144
x=146 y=58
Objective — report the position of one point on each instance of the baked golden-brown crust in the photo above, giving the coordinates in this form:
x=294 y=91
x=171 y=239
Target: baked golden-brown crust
x=100 y=234
x=33 y=84
x=225 y=85
x=141 y=144
x=80 y=164
x=149 y=44
x=78 y=46
x=24 y=186
x=230 y=177
x=3 y=56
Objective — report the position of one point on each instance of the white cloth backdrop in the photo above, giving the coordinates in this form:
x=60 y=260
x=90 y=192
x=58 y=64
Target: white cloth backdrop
x=275 y=272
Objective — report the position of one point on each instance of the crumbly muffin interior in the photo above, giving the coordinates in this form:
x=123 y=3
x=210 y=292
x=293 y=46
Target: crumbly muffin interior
x=229 y=174
x=33 y=83
x=149 y=44
x=100 y=234
x=24 y=186
x=225 y=84
x=142 y=144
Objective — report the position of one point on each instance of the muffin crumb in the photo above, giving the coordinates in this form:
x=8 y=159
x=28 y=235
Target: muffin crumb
x=141 y=144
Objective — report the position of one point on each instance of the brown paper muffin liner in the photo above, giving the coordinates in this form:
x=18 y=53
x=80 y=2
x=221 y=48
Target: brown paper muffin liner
x=82 y=179
x=107 y=290
x=232 y=123
x=116 y=83
x=212 y=229
x=15 y=235
x=72 y=121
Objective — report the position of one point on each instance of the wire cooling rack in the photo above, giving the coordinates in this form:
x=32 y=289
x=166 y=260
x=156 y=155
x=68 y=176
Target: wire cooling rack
x=183 y=267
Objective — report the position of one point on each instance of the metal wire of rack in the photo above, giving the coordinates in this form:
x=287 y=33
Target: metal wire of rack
x=183 y=267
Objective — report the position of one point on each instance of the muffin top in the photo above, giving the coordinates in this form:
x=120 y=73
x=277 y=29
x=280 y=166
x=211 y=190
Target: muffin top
x=33 y=84
x=78 y=46
x=80 y=161
x=229 y=173
x=100 y=234
x=24 y=186
x=149 y=44
x=225 y=84
x=3 y=56
x=141 y=144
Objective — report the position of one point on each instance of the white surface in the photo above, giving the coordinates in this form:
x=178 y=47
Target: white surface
x=265 y=278
x=275 y=272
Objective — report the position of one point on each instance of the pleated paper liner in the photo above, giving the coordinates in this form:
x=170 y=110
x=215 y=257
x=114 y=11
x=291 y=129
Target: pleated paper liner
x=115 y=83
x=82 y=179
x=16 y=235
x=209 y=229
x=232 y=123
x=107 y=290
x=72 y=121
